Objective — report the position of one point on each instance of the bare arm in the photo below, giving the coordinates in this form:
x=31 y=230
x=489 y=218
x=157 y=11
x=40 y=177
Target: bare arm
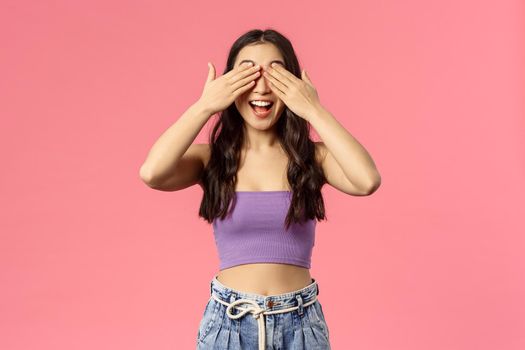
x=347 y=164
x=173 y=162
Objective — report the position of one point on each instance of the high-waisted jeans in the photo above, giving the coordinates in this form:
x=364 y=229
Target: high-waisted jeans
x=234 y=319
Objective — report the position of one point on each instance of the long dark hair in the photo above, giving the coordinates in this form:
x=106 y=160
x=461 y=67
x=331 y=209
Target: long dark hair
x=304 y=174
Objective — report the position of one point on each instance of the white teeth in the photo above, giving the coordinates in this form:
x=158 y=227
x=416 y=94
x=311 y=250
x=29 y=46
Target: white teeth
x=260 y=103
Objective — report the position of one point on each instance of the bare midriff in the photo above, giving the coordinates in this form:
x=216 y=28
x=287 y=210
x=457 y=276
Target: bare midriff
x=265 y=278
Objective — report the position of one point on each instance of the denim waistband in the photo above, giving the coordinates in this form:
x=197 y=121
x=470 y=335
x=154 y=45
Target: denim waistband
x=261 y=305
x=270 y=302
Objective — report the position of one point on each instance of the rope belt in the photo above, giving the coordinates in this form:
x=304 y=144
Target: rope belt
x=258 y=313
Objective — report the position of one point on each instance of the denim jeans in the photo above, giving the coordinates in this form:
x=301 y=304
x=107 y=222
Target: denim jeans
x=255 y=322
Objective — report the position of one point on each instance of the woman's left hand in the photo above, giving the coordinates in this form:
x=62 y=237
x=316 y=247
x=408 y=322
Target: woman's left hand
x=299 y=95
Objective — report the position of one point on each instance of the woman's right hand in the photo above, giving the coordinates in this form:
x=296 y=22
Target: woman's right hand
x=220 y=93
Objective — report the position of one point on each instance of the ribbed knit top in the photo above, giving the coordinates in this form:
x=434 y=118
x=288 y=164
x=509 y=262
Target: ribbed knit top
x=254 y=232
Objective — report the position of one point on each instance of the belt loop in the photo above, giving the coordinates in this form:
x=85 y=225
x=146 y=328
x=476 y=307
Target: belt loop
x=300 y=303
x=233 y=296
x=235 y=324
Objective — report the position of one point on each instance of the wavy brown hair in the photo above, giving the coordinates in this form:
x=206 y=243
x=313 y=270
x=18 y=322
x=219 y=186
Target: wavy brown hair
x=304 y=174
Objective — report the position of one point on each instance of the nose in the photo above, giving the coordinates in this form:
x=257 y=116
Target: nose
x=261 y=83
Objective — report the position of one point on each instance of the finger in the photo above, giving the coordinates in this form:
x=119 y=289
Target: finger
x=276 y=82
x=211 y=72
x=241 y=90
x=306 y=78
x=282 y=73
x=240 y=68
x=247 y=80
x=243 y=74
x=303 y=77
x=278 y=87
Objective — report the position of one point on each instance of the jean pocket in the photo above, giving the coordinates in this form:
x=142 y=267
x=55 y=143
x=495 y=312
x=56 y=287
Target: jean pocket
x=208 y=319
x=320 y=319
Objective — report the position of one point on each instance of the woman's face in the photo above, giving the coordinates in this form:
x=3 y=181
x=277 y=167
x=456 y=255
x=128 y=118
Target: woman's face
x=263 y=55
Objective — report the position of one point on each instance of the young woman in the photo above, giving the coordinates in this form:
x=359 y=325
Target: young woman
x=261 y=176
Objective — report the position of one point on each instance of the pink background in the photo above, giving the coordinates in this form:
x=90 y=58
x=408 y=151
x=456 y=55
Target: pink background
x=91 y=258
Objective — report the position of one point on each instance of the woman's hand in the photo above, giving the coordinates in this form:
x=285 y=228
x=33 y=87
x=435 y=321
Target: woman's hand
x=218 y=94
x=299 y=95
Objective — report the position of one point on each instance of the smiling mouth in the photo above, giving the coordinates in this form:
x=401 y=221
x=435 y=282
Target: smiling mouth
x=261 y=110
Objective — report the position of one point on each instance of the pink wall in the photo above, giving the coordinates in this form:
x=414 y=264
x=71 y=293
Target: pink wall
x=91 y=258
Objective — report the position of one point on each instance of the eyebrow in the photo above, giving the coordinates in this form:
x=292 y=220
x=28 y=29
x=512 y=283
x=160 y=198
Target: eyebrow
x=276 y=61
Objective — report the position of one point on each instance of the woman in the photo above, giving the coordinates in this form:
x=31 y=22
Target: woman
x=261 y=176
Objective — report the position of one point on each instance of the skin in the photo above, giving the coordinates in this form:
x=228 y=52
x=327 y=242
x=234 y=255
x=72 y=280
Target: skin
x=263 y=168
x=347 y=165
x=260 y=133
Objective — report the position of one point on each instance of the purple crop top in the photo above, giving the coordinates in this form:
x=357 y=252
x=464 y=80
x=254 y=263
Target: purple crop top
x=254 y=232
